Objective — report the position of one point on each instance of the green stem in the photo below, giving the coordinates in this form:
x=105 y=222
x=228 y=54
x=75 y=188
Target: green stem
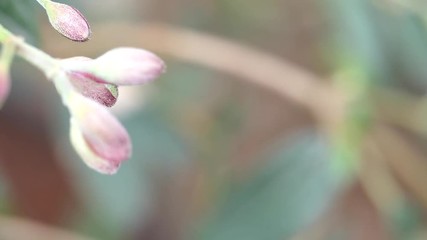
x=7 y=54
x=43 y=2
x=47 y=64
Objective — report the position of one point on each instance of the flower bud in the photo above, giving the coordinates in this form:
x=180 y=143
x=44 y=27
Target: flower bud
x=98 y=137
x=68 y=21
x=128 y=66
x=105 y=94
x=6 y=58
x=4 y=85
x=86 y=84
x=121 y=66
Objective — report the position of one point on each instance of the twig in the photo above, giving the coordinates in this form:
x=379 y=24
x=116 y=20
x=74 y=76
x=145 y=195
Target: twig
x=401 y=109
x=407 y=162
x=377 y=179
x=250 y=65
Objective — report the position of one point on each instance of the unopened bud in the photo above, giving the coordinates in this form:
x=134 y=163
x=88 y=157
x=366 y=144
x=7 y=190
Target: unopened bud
x=88 y=86
x=6 y=58
x=122 y=66
x=128 y=66
x=4 y=85
x=98 y=137
x=105 y=94
x=68 y=21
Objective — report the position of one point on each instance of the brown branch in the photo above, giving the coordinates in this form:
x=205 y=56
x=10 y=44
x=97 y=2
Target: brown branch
x=248 y=64
x=406 y=161
x=377 y=179
x=401 y=109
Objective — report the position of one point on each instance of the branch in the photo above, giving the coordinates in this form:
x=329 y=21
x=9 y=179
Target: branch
x=407 y=162
x=248 y=64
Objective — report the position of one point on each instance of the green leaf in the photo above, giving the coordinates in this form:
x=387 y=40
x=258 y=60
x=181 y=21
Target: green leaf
x=295 y=186
x=19 y=16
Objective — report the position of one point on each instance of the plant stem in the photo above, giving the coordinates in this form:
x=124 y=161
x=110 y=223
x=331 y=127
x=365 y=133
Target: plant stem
x=7 y=54
x=43 y=2
x=47 y=64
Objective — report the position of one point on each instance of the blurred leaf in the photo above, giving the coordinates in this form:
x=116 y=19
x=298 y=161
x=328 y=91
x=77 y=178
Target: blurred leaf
x=407 y=221
x=357 y=38
x=156 y=143
x=409 y=50
x=19 y=16
x=295 y=186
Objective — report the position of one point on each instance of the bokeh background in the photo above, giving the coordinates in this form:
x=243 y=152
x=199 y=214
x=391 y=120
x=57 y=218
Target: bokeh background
x=276 y=119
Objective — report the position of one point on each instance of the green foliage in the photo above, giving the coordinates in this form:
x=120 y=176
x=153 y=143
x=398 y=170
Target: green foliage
x=287 y=194
x=20 y=17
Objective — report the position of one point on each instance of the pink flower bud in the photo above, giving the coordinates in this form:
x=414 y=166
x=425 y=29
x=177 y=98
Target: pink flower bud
x=68 y=21
x=128 y=66
x=105 y=94
x=98 y=137
x=120 y=66
x=6 y=58
x=4 y=85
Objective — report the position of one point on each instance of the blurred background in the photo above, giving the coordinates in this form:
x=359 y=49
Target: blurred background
x=276 y=119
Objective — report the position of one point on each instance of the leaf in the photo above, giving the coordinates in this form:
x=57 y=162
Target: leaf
x=297 y=184
x=19 y=16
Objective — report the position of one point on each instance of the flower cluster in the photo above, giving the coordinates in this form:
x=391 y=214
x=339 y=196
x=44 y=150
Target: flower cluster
x=89 y=86
x=98 y=137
